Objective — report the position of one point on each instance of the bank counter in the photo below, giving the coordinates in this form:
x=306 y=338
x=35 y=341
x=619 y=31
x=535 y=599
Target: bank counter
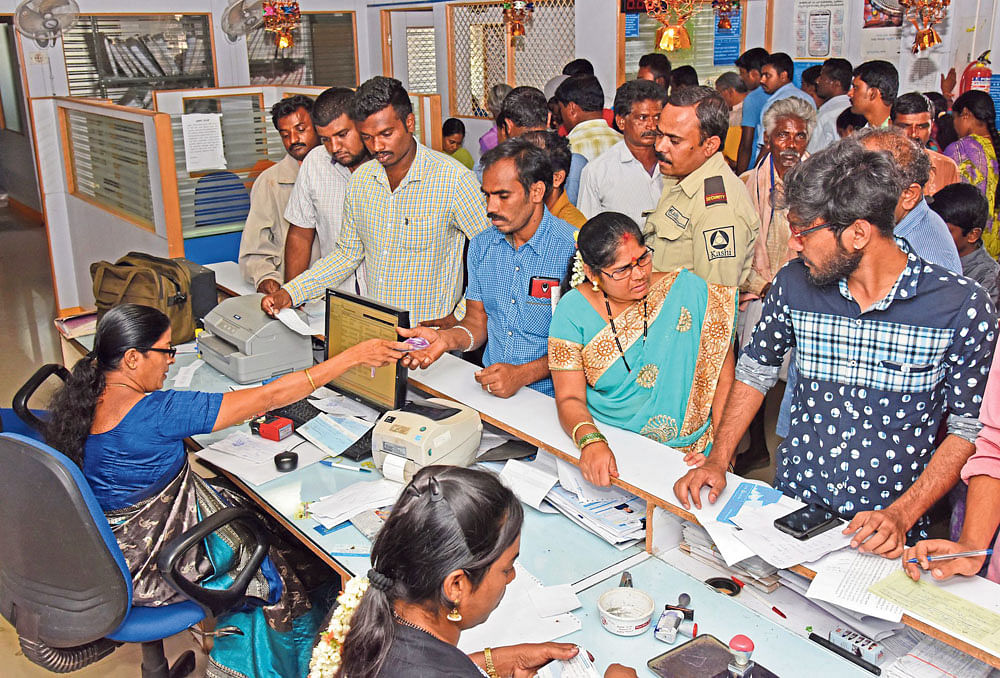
x=556 y=551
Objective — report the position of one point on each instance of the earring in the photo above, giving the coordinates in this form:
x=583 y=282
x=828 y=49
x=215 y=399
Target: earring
x=597 y=287
x=455 y=615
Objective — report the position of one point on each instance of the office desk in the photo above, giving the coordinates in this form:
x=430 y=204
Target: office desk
x=556 y=551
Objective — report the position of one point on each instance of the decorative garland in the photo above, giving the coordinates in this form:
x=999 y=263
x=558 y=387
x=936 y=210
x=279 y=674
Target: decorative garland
x=325 y=662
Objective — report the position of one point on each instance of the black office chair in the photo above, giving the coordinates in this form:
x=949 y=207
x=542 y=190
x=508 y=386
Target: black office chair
x=32 y=421
x=64 y=584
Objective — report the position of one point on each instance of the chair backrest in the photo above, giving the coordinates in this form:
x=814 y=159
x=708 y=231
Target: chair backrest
x=63 y=580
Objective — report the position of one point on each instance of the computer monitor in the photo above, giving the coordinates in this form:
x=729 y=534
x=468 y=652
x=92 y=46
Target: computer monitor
x=351 y=319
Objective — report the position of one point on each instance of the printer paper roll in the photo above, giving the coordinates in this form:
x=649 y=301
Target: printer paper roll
x=392 y=468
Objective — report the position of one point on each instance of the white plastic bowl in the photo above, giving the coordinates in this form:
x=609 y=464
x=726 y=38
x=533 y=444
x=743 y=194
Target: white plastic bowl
x=625 y=611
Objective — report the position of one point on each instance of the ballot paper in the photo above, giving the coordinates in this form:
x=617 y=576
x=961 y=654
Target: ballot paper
x=529 y=483
x=932 y=603
x=185 y=375
x=758 y=532
x=293 y=321
x=579 y=666
x=515 y=619
x=843 y=578
x=552 y=600
x=337 y=508
x=933 y=659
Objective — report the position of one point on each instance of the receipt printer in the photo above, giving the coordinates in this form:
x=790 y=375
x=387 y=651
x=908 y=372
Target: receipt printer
x=425 y=432
x=247 y=345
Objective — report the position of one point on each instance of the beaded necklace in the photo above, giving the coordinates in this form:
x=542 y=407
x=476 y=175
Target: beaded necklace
x=614 y=330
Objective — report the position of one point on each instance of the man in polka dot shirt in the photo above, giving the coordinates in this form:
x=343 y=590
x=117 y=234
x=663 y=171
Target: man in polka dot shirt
x=887 y=347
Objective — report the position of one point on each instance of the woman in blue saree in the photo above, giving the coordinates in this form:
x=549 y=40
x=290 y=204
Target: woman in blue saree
x=644 y=351
x=127 y=435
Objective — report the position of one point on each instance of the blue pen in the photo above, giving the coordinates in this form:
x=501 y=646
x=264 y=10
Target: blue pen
x=949 y=556
x=341 y=554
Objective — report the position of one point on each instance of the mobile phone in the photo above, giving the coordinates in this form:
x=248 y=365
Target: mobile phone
x=808 y=521
x=542 y=287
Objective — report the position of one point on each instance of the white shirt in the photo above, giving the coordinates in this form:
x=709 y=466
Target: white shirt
x=825 y=133
x=317 y=202
x=616 y=182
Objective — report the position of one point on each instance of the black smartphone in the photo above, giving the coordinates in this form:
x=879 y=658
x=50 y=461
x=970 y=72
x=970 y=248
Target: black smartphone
x=808 y=521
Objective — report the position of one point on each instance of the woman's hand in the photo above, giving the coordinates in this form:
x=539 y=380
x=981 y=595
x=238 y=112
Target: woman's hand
x=437 y=346
x=941 y=569
x=376 y=352
x=619 y=671
x=523 y=661
x=597 y=462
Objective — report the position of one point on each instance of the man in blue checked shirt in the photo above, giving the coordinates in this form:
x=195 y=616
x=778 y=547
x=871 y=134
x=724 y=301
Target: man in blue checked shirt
x=515 y=270
x=887 y=347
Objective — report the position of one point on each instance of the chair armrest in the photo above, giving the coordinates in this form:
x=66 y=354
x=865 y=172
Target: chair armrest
x=214 y=601
x=23 y=395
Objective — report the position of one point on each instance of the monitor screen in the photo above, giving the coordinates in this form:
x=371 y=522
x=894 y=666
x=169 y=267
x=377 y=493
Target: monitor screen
x=351 y=319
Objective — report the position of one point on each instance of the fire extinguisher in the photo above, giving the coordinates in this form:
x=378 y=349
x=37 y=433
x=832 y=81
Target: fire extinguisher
x=977 y=75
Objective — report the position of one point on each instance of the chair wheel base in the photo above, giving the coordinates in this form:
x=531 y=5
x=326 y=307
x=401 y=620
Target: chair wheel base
x=184 y=666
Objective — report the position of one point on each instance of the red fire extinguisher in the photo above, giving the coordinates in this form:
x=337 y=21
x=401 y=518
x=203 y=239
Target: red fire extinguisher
x=977 y=75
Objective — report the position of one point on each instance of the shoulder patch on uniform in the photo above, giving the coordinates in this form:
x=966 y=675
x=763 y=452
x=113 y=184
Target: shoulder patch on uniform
x=720 y=243
x=715 y=191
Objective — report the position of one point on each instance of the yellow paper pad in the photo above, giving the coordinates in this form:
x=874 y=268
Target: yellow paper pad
x=942 y=609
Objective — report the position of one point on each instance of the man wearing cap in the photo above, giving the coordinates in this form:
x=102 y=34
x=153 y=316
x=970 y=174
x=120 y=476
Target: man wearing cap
x=704 y=220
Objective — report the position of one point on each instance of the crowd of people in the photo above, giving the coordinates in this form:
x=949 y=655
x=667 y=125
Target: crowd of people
x=658 y=266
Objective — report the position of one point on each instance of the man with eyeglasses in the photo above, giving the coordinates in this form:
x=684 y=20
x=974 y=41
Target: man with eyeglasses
x=515 y=272
x=912 y=114
x=704 y=221
x=887 y=347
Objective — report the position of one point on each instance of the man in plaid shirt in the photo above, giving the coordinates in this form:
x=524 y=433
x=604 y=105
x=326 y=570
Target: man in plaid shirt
x=887 y=347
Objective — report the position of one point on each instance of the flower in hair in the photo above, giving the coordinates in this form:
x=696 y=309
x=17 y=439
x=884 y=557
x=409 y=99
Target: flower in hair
x=325 y=660
x=578 y=275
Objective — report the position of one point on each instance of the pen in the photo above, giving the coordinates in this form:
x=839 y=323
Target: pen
x=949 y=556
x=344 y=554
x=336 y=464
x=846 y=654
x=744 y=587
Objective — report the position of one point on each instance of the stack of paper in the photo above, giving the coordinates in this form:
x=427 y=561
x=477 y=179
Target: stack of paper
x=619 y=518
x=754 y=571
x=339 y=507
x=251 y=457
x=934 y=659
x=874 y=628
x=843 y=578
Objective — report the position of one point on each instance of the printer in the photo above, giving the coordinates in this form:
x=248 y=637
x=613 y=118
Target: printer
x=423 y=433
x=247 y=345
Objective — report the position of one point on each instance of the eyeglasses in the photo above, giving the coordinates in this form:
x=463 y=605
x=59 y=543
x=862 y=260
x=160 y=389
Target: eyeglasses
x=625 y=271
x=170 y=352
x=799 y=234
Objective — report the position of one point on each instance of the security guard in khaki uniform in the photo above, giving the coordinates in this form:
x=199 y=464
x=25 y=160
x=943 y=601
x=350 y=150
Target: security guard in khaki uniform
x=704 y=221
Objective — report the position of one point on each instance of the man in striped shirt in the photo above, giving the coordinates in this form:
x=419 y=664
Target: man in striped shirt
x=406 y=215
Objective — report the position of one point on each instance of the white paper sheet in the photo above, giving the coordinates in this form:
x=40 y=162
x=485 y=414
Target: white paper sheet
x=579 y=666
x=185 y=375
x=843 y=578
x=293 y=321
x=527 y=482
x=552 y=600
x=344 y=406
x=515 y=619
x=260 y=473
x=571 y=478
x=203 y=147
x=336 y=508
x=780 y=549
x=254 y=449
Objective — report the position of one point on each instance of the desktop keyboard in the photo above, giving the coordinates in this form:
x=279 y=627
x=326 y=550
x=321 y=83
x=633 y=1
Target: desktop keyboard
x=300 y=412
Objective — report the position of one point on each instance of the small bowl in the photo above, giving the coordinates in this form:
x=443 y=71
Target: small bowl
x=625 y=611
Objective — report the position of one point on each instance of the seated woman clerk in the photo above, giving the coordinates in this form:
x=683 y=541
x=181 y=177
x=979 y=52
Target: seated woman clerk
x=644 y=351
x=404 y=619
x=112 y=419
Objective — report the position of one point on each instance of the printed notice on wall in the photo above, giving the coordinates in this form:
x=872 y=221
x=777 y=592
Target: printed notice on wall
x=881 y=31
x=819 y=28
x=203 y=149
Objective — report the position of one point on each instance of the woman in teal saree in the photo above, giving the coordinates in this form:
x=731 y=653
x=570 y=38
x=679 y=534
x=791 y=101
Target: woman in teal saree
x=644 y=351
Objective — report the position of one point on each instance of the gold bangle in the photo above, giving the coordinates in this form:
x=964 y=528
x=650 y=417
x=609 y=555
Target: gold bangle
x=577 y=428
x=309 y=377
x=491 y=670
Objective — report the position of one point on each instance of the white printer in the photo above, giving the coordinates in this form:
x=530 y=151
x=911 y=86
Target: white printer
x=247 y=345
x=423 y=433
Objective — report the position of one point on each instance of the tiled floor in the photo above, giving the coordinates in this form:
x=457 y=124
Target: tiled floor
x=28 y=340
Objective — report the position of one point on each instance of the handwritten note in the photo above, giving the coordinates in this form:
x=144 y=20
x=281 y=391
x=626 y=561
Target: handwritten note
x=945 y=610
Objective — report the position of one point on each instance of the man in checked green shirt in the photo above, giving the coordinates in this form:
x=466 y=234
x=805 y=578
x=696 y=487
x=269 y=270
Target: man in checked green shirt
x=407 y=215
